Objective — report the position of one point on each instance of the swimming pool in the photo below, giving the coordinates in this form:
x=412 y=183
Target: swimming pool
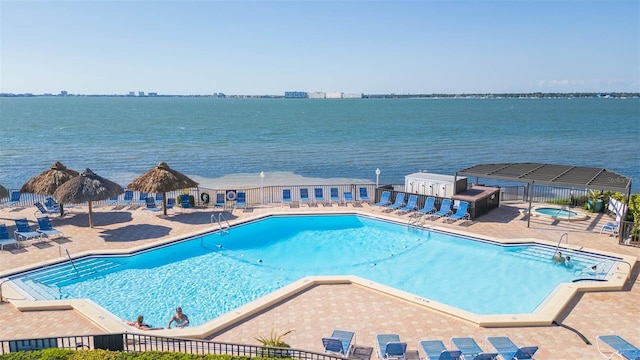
x=213 y=274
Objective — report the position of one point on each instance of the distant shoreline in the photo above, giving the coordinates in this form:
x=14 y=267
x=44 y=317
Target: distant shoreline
x=534 y=95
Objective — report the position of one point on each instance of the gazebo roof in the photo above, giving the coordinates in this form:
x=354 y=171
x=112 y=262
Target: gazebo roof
x=552 y=174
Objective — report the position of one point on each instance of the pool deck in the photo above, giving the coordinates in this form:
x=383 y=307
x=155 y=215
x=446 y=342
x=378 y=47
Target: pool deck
x=315 y=312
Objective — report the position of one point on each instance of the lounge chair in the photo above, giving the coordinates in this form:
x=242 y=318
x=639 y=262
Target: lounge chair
x=390 y=347
x=52 y=205
x=14 y=198
x=158 y=199
x=347 y=197
x=364 y=197
x=508 y=350
x=44 y=211
x=445 y=209
x=5 y=239
x=385 y=199
x=471 y=350
x=318 y=196
x=621 y=347
x=461 y=213
x=128 y=197
x=171 y=203
x=339 y=342
x=142 y=198
x=150 y=204
x=412 y=204
x=111 y=201
x=334 y=195
x=45 y=228
x=23 y=232
x=304 y=196
x=428 y=208
x=241 y=200
x=435 y=350
x=398 y=203
x=185 y=202
x=611 y=227
x=286 y=197
x=220 y=201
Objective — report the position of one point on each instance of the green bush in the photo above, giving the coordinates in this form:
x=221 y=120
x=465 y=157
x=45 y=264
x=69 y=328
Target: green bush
x=192 y=200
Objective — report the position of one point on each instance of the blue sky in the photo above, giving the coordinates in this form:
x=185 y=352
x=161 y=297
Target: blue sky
x=269 y=47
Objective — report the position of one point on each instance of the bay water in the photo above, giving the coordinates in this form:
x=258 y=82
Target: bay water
x=310 y=140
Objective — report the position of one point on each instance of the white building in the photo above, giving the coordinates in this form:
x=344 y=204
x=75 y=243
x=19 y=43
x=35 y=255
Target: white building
x=433 y=184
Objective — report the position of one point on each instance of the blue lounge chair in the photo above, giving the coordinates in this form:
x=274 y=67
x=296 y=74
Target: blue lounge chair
x=335 y=195
x=385 y=199
x=364 y=197
x=471 y=350
x=435 y=350
x=220 y=201
x=142 y=198
x=23 y=232
x=508 y=350
x=390 y=346
x=347 y=196
x=52 y=205
x=398 y=203
x=412 y=204
x=428 y=208
x=158 y=199
x=44 y=211
x=461 y=213
x=128 y=197
x=318 y=196
x=5 y=239
x=241 y=200
x=304 y=196
x=111 y=201
x=45 y=228
x=621 y=347
x=171 y=203
x=286 y=197
x=611 y=227
x=445 y=209
x=185 y=202
x=150 y=204
x=339 y=342
x=14 y=198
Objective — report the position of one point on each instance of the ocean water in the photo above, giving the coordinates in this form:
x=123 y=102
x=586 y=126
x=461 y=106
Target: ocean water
x=233 y=140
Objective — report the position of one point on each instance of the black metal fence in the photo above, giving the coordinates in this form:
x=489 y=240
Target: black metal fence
x=141 y=343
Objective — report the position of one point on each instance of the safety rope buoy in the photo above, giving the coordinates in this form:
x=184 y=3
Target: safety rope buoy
x=204 y=197
x=231 y=195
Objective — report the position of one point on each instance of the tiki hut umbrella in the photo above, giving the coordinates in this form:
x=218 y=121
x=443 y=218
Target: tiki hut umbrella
x=87 y=187
x=3 y=192
x=47 y=182
x=162 y=179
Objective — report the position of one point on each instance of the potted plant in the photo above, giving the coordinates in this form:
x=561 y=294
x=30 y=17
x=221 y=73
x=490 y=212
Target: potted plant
x=596 y=201
x=274 y=344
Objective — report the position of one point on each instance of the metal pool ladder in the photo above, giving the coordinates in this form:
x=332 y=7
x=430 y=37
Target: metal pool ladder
x=564 y=236
x=220 y=219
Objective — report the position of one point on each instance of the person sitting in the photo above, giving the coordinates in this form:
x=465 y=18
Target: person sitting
x=179 y=318
x=558 y=258
x=567 y=262
x=139 y=323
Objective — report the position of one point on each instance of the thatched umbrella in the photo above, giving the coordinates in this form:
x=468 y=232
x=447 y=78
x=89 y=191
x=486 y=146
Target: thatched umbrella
x=47 y=182
x=87 y=187
x=3 y=192
x=162 y=179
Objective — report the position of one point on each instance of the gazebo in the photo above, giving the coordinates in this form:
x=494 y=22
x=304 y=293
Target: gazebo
x=554 y=175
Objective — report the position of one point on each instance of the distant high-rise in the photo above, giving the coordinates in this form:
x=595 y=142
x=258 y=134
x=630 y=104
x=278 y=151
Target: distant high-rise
x=141 y=93
x=63 y=93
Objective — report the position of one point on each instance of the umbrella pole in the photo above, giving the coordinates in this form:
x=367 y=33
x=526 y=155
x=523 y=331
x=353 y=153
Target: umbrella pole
x=90 y=216
x=164 y=203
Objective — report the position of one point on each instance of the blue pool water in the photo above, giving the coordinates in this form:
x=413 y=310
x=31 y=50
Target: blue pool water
x=213 y=274
x=561 y=213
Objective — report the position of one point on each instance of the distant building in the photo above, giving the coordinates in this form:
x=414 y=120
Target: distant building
x=317 y=95
x=333 y=95
x=295 y=95
x=351 y=96
x=131 y=93
x=64 y=93
x=153 y=94
x=141 y=93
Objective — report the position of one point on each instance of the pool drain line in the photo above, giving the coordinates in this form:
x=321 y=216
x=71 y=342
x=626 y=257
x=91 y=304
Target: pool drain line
x=584 y=338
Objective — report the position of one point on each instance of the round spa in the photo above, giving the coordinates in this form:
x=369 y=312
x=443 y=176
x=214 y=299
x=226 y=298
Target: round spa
x=559 y=213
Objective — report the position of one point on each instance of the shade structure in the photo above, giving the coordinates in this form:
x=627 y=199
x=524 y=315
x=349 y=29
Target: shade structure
x=3 y=192
x=87 y=187
x=47 y=182
x=161 y=179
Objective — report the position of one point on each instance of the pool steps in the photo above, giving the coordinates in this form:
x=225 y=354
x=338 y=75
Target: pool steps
x=44 y=285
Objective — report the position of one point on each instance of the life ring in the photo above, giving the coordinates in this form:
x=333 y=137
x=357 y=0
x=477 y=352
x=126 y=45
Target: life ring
x=231 y=195
x=204 y=197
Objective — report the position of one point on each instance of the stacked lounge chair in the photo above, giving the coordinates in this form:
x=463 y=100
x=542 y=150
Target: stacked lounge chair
x=471 y=350
x=436 y=350
x=390 y=347
x=339 y=342
x=508 y=350
x=5 y=239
